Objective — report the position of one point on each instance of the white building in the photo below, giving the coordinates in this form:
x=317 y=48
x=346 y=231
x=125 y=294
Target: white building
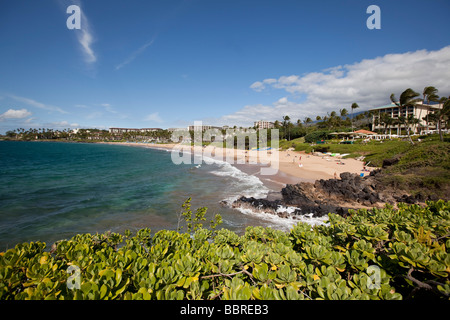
x=420 y=111
x=202 y=128
x=198 y=128
x=264 y=124
x=123 y=130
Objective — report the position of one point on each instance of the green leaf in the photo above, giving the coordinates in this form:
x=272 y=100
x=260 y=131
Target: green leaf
x=118 y=275
x=103 y=291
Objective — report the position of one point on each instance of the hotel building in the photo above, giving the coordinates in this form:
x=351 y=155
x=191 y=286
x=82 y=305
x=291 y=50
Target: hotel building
x=420 y=111
x=124 y=130
x=264 y=124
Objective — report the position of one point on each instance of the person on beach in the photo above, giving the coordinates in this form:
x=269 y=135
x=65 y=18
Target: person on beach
x=335 y=175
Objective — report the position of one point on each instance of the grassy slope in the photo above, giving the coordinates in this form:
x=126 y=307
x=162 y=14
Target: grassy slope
x=424 y=166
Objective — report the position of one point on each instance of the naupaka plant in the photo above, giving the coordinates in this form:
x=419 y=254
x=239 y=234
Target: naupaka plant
x=387 y=253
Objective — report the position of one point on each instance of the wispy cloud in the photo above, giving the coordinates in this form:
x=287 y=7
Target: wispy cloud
x=36 y=104
x=135 y=54
x=86 y=39
x=62 y=124
x=84 y=35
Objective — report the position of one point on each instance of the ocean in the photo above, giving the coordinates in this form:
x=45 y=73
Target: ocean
x=54 y=190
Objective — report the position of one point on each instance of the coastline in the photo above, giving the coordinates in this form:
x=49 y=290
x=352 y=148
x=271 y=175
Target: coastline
x=292 y=167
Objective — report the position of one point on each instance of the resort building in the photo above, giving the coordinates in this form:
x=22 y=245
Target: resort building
x=198 y=128
x=386 y=118
x=264 y=124
x=124 y=130
x=176 y=129
x=202 y=128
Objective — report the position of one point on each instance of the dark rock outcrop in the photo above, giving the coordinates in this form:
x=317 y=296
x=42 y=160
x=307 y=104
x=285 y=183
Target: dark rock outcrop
x=390 y=162
x=332 y=195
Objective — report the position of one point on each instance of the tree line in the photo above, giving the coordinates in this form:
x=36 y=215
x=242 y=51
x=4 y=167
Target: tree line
x=84 y=135
x=340 y=120
x=344 y=121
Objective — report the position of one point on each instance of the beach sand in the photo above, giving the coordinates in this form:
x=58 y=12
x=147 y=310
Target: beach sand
x=290 y=167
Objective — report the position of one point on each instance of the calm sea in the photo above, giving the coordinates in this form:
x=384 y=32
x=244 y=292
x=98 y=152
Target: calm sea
x=51 y=191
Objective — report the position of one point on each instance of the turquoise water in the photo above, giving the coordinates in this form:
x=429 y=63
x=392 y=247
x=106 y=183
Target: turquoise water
x=52 y=190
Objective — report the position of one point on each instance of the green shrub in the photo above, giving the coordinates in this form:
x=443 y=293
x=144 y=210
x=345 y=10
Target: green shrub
x=316 y=136
x=371 y=254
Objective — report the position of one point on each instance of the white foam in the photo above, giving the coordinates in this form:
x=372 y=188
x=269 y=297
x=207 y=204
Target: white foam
x=285 y=224
x=307 y=217
x=252 y=185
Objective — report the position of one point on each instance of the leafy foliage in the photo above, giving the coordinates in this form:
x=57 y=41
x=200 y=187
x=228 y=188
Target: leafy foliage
x=408 y=247
x=316 y=136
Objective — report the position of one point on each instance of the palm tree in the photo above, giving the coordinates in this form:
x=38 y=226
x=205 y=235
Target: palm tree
x=409 y=121
x=408 y=98
x=354 y=106
x=318 y=118
x=285 y=124
x=429 y=94
x=343 y=112
x=427 y=120
x=387 y=121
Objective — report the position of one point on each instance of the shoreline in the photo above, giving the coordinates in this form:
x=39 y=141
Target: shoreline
x=292 y=167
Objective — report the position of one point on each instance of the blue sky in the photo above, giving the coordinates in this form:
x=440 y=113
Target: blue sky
x=147 y=63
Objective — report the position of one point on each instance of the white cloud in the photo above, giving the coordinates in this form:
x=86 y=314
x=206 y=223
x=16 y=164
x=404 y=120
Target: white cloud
x=250 y=113
x=154 y=117
x=36 y=104
x=260 y=86
x=134 y=54
x=62 y=124
x=368 y=82
x=84 y=35
x=15 y=114
x=85 y=38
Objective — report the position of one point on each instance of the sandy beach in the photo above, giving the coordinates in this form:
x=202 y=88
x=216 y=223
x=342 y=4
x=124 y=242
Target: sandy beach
x=289 y=167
